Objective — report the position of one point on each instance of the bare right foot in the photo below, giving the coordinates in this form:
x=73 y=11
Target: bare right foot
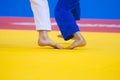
x=77 y=43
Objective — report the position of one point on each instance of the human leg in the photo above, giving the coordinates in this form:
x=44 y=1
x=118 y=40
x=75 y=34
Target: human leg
x=76 y=14
x=42 y=20
x=65 y=19
x=66 y=14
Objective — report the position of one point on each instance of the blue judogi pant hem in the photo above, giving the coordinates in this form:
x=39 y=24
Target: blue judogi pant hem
x=70 y=36
x=66 y=14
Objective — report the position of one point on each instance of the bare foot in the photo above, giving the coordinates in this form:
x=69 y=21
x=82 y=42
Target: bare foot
x=44 y=40
x=77 y=43
x=49 y=43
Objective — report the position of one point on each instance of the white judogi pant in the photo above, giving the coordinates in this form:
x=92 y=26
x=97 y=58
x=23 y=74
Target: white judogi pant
x=41 y=14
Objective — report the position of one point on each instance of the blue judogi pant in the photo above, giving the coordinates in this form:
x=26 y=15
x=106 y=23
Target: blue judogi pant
x=66 y=14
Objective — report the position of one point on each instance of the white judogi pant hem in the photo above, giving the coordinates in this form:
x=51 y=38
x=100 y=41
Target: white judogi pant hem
x=41 y=14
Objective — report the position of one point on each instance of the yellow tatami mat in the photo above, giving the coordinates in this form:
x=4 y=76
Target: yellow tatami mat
x=22 y=59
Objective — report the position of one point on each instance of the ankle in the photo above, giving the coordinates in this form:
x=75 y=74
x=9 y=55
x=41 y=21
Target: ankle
x=43 y=35
x=78 y=36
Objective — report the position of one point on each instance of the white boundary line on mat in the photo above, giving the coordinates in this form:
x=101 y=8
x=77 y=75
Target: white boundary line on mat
x=79 y=24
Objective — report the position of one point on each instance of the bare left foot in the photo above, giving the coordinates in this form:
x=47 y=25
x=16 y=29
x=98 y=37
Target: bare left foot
x=44 y=40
